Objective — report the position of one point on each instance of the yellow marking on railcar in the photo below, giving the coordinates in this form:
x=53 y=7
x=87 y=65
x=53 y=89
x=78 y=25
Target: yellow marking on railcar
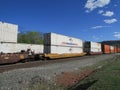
x=65 y=55
x=6 y=58
x=22 y=57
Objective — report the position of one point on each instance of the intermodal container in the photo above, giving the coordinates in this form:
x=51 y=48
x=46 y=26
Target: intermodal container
x=118 y=50
x=8 y=32
x=112 y=49
x=92 y=47
x=17 y=47
x=106 y=49
x=57 y=43
x=63 y=49
x=62 y=40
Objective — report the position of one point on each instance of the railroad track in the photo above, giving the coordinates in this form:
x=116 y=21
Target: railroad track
x=31 y=64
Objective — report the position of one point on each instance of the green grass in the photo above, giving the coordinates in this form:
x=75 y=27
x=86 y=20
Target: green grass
x=107 y=78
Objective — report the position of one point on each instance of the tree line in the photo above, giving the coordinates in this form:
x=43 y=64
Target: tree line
x=30 y=37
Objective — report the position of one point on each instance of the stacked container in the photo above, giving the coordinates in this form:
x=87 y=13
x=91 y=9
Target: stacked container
x=8 y=32
x=56 y=43
x=92 y=47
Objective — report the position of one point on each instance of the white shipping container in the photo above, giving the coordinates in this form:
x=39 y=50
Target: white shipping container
x=61 y=40
x=37 y=48
x=112 y=48
x=4 y=48
x=96 y=47
x=33 y=47
x=63 y=49
x=7 y=48
x=21 y=46
x=14 y=48
x=95 y=50
x=8 y=32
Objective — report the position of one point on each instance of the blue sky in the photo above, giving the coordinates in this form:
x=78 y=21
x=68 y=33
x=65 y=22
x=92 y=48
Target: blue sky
x=94 y=20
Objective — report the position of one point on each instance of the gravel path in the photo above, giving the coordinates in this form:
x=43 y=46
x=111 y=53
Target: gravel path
x=20 y=79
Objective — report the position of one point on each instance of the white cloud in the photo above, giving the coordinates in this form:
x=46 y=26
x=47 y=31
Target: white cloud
x=93 y=4
x=98 y=27
x=117 y=34
x=110 y=21
x=100 y=11
x=108 y=13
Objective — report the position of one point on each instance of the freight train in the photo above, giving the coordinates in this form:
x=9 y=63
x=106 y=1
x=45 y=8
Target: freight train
x=56 y=46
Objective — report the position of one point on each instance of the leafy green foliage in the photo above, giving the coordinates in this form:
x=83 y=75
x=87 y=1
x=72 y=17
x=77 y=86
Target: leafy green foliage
x=30 y=38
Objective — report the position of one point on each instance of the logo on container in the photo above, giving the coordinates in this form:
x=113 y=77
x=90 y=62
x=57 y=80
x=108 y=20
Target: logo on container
x=69 y=43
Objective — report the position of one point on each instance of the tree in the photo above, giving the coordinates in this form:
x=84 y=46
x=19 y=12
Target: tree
x=30 y=37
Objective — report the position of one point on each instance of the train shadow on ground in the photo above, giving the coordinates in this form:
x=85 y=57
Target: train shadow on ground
x=84 y=86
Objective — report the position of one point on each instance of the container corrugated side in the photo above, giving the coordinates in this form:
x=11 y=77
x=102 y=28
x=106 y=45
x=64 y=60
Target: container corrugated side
x=7 y=47
x=21 y=46
x=96 y=47
x=62 y=49
x=116 y=49
x=37 y=48
x=34 y=47
x=62 y=40
x=8 y=32
x=14 y=48
x=106 y=49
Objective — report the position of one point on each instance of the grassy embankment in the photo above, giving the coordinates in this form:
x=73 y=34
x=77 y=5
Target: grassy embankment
x=106 y=78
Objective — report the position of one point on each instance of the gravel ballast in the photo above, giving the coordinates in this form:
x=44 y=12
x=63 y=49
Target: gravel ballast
x=20 y=79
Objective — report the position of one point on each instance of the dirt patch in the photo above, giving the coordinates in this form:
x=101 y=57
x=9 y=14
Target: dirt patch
x=68 y=79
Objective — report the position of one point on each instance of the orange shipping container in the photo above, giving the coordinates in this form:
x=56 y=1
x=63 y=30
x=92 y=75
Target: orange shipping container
x=115 y=49
x=118 y=50
x=106 y=49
